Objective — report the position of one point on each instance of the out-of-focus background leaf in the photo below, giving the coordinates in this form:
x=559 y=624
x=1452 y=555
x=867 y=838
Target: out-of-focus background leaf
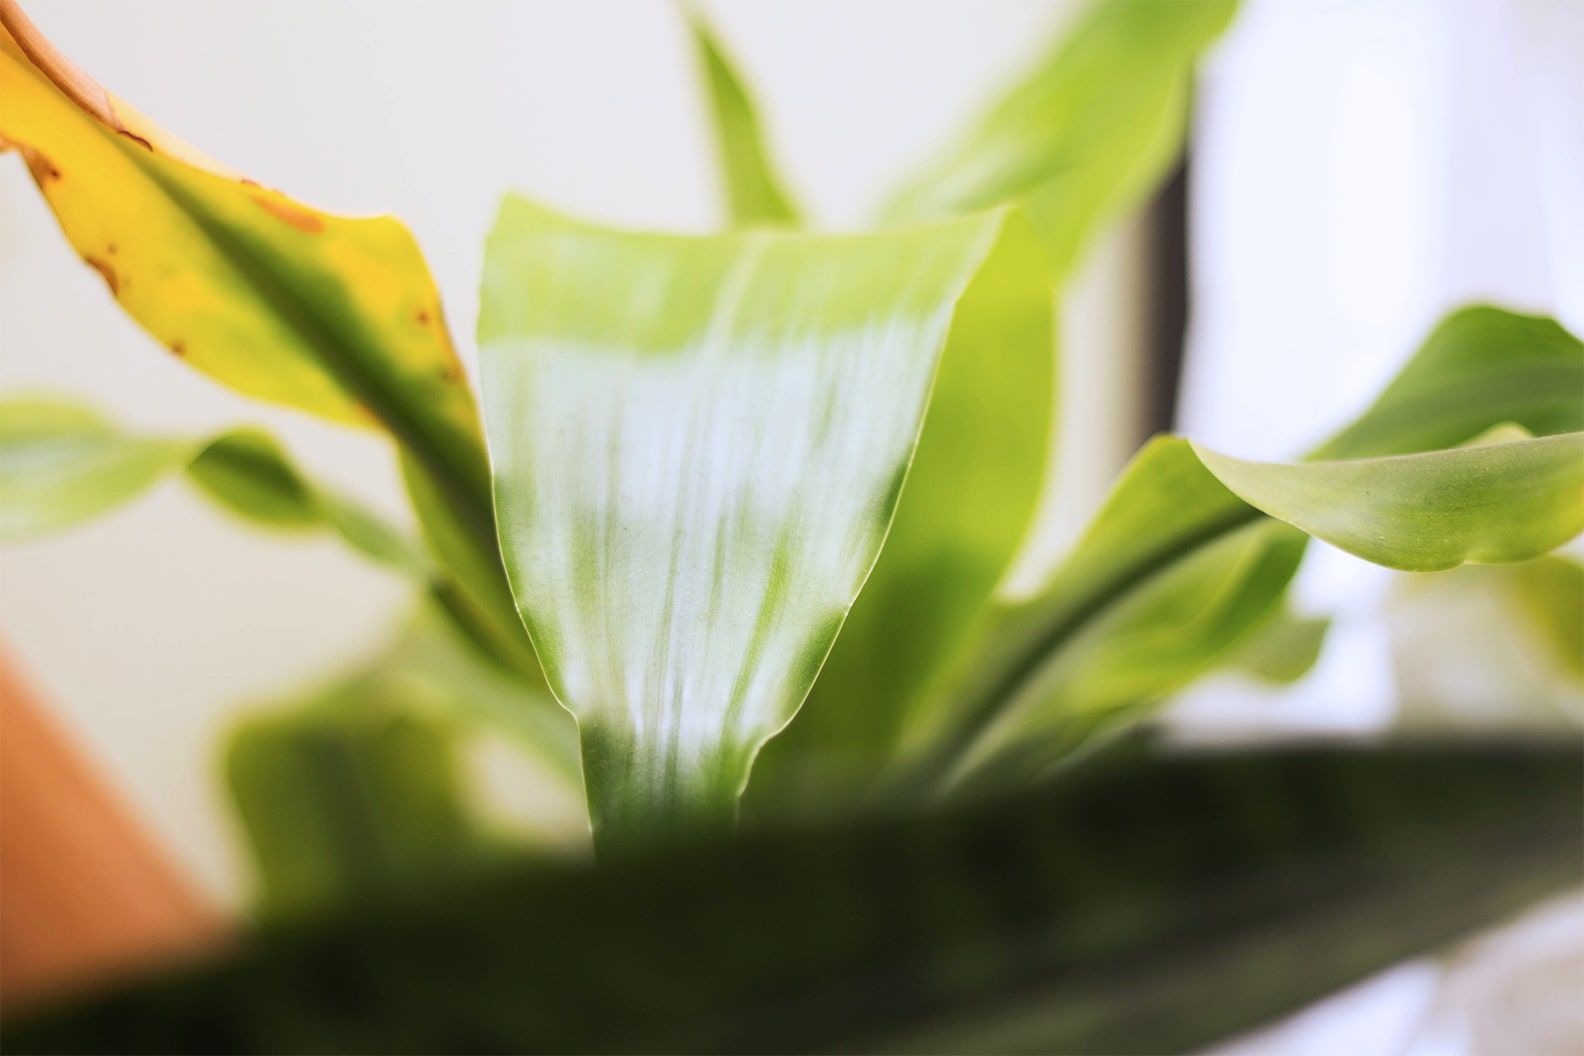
x=1086 y=134
x=753 y=190
x=699 y=445
x=351 y=796
x=62 y=463
x=1138 y=905
x=359 y=789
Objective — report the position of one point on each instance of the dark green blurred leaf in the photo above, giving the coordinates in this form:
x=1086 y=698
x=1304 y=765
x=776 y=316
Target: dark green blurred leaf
x=754 y=193
x=1086 y=134
x=1156 y=905
x=353 y=796
x=358 y=791
x=699 y=444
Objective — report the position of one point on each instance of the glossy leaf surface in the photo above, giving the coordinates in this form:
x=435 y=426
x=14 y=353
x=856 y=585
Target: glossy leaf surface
x=1485 y=504
x=1481 y=366
x=698 y=447
x=1152 y=905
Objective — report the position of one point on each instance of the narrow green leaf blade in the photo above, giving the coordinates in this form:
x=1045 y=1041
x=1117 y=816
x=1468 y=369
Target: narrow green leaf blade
x=698 y=446
x=1486 y=504
x=754 y=193
x=1152 y=642
x=1086 y=133
x=247 y=473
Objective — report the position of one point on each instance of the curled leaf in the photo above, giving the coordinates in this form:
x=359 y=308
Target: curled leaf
x=1484 y=504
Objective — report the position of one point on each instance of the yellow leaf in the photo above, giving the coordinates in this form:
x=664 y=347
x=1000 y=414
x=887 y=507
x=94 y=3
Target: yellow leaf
x=333 y=315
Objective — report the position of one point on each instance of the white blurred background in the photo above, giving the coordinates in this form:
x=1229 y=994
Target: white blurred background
x=1358 y=168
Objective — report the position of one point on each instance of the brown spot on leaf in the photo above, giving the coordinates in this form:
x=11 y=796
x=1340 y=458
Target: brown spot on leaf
x=106 y=272
x=40 y=167
x=178 y=349
x=139 y=140
x=112 y=249
x=301 y=219
x=422 y=317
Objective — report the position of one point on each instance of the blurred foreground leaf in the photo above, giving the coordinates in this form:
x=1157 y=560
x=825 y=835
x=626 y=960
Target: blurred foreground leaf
x=1155 y=905
x=699 y=444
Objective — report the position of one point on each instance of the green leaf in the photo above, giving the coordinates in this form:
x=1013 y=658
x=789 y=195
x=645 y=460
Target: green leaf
x=1285 y=649
x=754 y=193
x=1152 y=642
x=699 y=444
x=433 y=661
x=1551 y=592
x=1151 y=905
x=1086 y=134
x=62 y=464
x=1479 y=367
x=354 y=795
x=967 y=508
x=1168 y=507
x=1488 y=504
x=358 y=790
